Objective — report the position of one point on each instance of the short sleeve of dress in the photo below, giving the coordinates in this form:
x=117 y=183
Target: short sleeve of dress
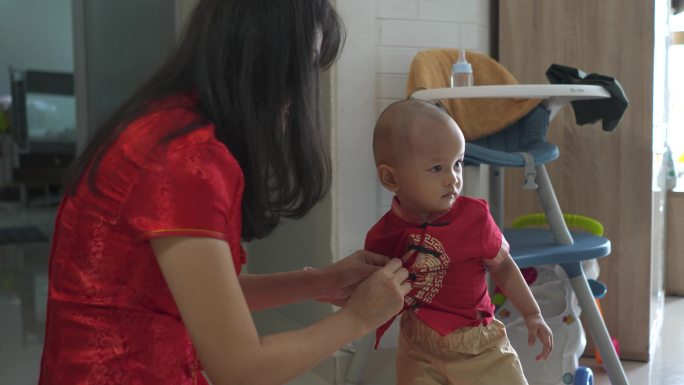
x=189 y=191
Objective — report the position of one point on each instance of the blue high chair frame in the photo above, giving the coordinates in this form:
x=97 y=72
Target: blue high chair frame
x=533 y=247
x=556 y=245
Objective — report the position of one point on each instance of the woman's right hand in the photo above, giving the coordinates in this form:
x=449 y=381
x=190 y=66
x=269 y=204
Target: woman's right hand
x=380 y=296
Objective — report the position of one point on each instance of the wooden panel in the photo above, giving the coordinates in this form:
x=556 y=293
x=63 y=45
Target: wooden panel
x=674 y=280
x=604 y=175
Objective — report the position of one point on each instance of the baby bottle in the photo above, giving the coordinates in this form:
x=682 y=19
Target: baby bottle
x=461 y=72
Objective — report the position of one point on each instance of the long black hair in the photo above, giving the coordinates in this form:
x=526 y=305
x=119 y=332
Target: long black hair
x=254 y=65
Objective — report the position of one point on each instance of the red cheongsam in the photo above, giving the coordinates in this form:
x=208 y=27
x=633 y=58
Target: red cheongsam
x=111 y=318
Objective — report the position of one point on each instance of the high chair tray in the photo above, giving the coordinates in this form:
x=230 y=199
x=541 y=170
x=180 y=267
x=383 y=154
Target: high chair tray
x=554 y=96
x=532 y=247
x=521 y=91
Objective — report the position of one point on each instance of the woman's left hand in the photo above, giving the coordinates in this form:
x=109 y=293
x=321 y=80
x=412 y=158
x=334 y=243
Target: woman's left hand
x=339 y=280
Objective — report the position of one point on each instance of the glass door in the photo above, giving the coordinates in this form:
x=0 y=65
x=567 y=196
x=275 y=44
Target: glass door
x=676 y=79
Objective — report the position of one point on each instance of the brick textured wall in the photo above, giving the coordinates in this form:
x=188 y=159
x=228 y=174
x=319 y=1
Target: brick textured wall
x=404 y=27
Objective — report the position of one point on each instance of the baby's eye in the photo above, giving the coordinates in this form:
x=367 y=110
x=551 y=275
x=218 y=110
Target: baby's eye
x=436 y=168
x=459 y=164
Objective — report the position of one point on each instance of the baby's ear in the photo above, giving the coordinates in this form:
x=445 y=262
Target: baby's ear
x=388 y=178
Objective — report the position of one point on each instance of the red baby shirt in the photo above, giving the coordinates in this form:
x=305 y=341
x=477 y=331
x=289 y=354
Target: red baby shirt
x=446 y=259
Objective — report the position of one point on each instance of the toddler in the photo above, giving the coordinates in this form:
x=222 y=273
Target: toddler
x=447 y=242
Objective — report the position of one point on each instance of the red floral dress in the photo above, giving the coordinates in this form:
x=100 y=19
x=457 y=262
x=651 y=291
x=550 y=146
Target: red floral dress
x=111 y=318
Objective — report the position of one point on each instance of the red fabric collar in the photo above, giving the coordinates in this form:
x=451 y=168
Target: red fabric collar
x=410 y=217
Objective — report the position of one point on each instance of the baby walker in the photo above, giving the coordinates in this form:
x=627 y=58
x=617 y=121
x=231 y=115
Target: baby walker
x=557 y=301
x=554 y=294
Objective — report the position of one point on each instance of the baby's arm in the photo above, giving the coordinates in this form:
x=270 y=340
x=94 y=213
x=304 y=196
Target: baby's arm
x=507 y=276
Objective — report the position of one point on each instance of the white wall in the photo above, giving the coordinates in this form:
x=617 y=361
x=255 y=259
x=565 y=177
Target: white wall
x=383 y=36
x=183 y=10
x=406 y=26
x=353 y=97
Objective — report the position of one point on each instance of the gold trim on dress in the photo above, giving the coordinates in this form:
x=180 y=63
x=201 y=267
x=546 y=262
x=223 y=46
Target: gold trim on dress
x=205 y=231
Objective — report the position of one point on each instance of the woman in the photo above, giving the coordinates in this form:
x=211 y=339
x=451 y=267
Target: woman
x=215 y=148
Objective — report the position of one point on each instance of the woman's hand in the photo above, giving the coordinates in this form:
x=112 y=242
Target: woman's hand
x=339 y=280
x=381 y=296
x=538 y=329
x=205 y=287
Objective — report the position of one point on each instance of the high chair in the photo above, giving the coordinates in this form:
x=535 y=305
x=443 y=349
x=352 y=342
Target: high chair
x=505 y=125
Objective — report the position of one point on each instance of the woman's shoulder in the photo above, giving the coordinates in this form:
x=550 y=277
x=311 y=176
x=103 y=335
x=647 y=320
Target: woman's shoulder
x=163 y=118
x=172 y=127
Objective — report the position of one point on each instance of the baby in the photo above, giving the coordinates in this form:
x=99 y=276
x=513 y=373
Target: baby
x=447 y=242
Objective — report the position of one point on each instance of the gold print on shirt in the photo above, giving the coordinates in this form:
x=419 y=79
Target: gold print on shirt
x=430 y=267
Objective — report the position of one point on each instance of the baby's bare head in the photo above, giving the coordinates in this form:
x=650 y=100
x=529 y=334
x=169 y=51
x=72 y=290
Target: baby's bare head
x=403 y=120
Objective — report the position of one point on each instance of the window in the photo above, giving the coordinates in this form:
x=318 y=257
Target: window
x=675 y=134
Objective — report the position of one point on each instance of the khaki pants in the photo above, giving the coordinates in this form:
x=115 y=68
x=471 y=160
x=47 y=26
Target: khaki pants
x=479 y=355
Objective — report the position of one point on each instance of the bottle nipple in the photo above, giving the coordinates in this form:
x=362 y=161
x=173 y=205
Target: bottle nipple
x=461 y=71
x=462 y=64
x=461 y=56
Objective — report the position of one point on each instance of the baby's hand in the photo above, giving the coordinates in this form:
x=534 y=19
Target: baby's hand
x=538 y=329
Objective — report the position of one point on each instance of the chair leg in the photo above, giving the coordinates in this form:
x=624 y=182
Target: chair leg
x=23 y=194
x=496 y=194
x=549 y=203
x=598 y=330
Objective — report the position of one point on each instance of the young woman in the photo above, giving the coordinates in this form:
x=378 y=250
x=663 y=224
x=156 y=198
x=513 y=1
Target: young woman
x=215 y=148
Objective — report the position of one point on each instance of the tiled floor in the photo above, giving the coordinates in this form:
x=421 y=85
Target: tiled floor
x=23 y=294
x=666 y=367
x=23 y=285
